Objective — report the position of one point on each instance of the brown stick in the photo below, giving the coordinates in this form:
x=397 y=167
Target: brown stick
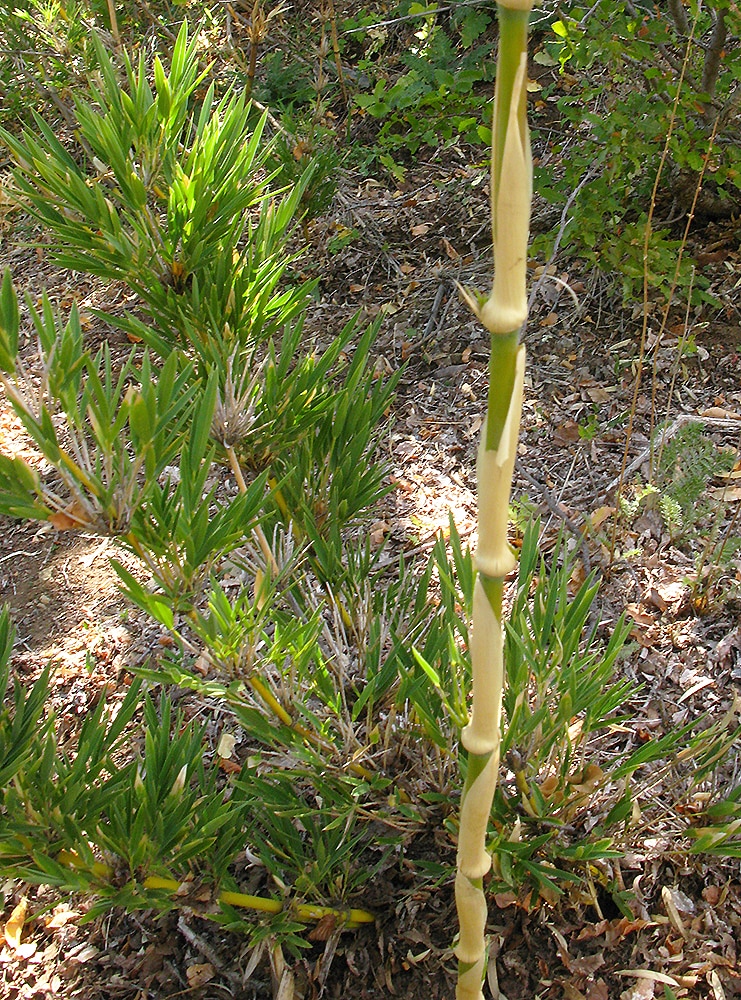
x=336 y=49
x=679 y=16
x=114 y=23
x=257 y=28
x=713 y=55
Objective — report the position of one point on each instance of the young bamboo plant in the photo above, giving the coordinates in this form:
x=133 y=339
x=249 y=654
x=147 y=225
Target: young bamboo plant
x=502 y=312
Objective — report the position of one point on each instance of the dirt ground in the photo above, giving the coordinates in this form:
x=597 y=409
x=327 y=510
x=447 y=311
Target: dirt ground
x=413 y=243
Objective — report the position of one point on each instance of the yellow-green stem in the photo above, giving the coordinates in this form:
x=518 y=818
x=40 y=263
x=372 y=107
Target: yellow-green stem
x=259 y=533
x=502 y=313
x=304 y=912
x=256 y=683
x=476 y=764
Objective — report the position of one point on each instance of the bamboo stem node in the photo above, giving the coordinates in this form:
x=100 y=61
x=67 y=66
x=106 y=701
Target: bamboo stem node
x=481 y=735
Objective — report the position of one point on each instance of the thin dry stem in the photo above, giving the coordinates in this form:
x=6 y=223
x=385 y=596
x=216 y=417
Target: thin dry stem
x=114 y=23
x=646 y=242
x=670 y=296
x=675 y=369
x=336 y=50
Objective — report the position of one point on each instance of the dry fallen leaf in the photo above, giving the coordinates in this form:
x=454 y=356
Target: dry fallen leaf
x=655 y=598
x=185 y=888
x=83 y=954
x=449 y=249
x=727 y=651
x=570 y=992
x=202 y=665
x=598 y=394
x=378 y=532
x=566 y=433
x=599 y=516
x=62 y=916
x=711 y=894
x=74 y=516
x=226 y=745
x=14 y=926
x=717 y=986
x=286 y=986
x=586 y=780
x=613 y=930
x=639 y=616
x=642 y=990
x=324 y=928
x=729 y=474
x=720 y=413
x=199 y=975
x=729 y=494
x=650 y=976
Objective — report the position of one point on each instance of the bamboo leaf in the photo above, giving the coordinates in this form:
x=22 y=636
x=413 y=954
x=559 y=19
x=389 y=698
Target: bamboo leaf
x=9 y=324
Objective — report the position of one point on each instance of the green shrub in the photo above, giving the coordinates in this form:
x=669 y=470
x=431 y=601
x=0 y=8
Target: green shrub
x=44 y=51
x=570 y=783
x=639 y=53
x=434 y=99
x=173 y=201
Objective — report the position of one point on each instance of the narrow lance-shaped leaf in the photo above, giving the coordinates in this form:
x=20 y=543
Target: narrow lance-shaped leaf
x=9 y=324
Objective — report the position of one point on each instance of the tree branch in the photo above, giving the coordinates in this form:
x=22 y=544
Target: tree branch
x=713 y=54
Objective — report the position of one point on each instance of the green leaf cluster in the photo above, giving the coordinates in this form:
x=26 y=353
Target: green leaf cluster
x=435 y=98
x=138 y=796
x=170 y=198
x=571 y=775
x=639 y=52
x=107 y=432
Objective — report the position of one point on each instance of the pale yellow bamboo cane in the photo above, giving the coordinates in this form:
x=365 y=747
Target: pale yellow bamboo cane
x=481 y=737
x=502 y=313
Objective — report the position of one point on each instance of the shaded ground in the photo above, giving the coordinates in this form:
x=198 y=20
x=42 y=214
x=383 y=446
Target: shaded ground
x=411 y=246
